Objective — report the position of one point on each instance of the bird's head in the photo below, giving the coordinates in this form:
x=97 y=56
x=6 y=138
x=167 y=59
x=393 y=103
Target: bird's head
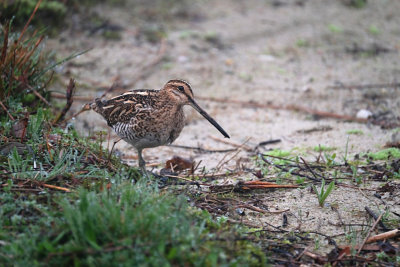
x=182 y=93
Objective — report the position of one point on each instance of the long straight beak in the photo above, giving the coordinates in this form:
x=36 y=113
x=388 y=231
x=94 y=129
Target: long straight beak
x=208 y=117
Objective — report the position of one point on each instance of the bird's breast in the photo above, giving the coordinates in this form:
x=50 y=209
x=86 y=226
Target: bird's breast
x=152 y=127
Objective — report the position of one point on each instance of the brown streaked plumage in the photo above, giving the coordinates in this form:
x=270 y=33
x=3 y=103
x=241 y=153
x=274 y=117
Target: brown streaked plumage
x=148 y=118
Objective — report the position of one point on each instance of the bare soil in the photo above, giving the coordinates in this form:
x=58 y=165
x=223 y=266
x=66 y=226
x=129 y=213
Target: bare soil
x=265 y=55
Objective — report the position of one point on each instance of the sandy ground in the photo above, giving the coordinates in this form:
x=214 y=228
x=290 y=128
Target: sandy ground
x=255 y=51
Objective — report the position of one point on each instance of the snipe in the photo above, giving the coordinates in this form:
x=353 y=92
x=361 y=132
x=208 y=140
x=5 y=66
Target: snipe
x=150 y=118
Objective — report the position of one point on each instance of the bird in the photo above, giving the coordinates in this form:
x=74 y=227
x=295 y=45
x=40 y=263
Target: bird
x=147 y=118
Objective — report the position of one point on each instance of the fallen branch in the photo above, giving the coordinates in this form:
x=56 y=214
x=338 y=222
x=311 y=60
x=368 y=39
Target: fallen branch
x=383 y=236
x=246 y=186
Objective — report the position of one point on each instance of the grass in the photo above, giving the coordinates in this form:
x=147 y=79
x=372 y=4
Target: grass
x=322 y=194
x=129 y=224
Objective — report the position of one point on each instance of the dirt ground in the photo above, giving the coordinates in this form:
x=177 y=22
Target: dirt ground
x=302 y=53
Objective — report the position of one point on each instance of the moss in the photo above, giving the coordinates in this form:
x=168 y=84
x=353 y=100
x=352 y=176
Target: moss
x=385 y=154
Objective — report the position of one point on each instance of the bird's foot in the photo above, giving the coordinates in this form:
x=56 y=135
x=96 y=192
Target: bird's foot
x=146 y=173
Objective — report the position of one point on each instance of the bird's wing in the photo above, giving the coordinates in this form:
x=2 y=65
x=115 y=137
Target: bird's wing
x=124 y=107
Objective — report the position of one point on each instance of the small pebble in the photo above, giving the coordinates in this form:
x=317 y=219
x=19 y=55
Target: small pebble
x=363 y=114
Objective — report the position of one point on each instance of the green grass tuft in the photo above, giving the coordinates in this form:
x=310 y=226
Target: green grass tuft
x=355 y=132
x=334 y=28
x=278 y=153
x=302 y=43
x=323 y=194
x=374 y=30
x=321 y=148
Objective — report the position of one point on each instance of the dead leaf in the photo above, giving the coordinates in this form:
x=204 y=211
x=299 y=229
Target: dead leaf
x=179 y=164
x=346 y=251
x=19 y=129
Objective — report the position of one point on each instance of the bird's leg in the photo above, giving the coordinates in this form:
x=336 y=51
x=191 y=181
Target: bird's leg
x=142 y=163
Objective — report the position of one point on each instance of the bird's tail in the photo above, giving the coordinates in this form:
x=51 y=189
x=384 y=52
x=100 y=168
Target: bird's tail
x=97 y=105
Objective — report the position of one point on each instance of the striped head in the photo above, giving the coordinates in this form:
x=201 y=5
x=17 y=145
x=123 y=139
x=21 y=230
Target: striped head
x=182 y=93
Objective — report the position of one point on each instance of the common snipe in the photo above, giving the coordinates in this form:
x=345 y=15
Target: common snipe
x=150 y=118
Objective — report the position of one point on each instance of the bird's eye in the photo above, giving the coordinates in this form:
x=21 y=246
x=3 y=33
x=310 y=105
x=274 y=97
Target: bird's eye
x=181 y=88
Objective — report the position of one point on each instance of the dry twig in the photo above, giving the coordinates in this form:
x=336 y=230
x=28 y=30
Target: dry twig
x=6 y=110
x=70 y=100
x=56 y=187
x=383 y=236
x=29 y=20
